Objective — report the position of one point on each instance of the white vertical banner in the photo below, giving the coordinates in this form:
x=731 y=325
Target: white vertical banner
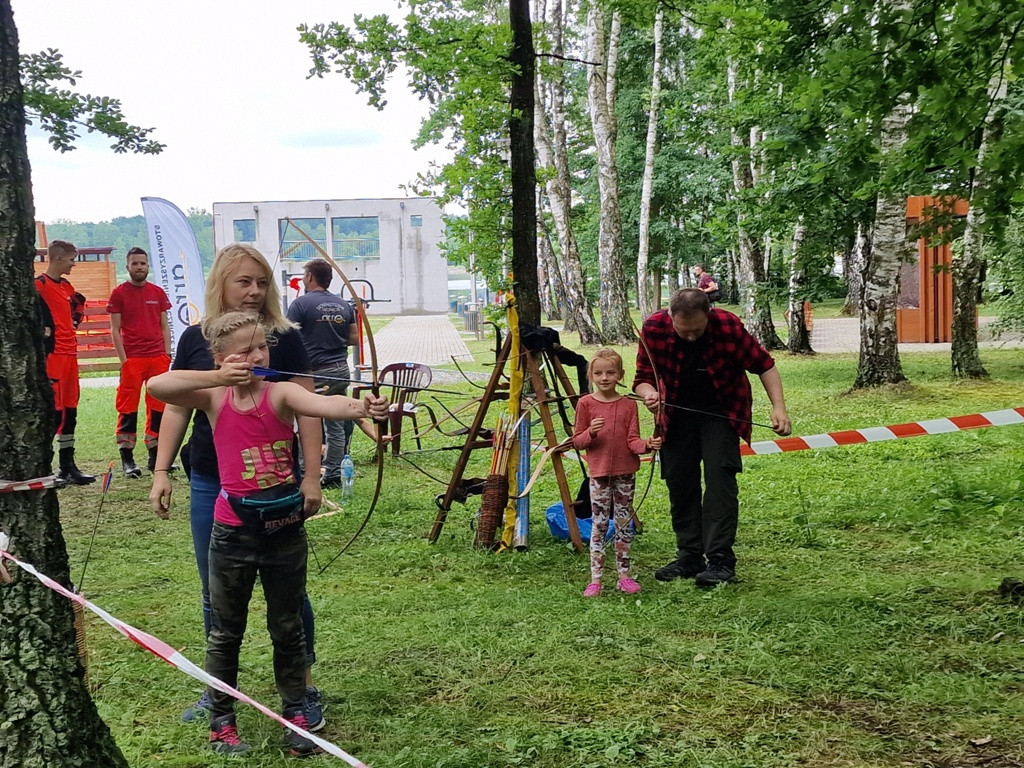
x=175 y=262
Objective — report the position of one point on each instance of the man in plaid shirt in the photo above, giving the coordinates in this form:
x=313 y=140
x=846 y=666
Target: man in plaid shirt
x=697 y=358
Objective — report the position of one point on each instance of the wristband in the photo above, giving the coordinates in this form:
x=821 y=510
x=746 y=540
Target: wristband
x=161 y=470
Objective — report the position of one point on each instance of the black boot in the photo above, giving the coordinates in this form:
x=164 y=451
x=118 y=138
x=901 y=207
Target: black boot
x=128 y=464
x=69 y=473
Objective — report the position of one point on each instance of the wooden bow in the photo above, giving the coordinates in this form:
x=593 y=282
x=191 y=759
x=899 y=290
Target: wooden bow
x=374 y=386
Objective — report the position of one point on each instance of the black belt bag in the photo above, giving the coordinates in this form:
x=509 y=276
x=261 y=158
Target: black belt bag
x=271 y=510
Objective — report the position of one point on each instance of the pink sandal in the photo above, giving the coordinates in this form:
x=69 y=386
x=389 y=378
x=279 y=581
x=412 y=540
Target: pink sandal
x=628 y=586
x=593 y=590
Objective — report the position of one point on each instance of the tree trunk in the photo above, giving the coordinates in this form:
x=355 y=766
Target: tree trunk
x=855 y=253
x=731 y=294
x=548 y=277
x=672 y=275
x=799 y=335
x=967 y=261
x=552 y=149
x=879 y=353
x=524 y=179
x=656 y=276
x=49 y=720
x=751 y=275
x=645 y=294
x=616 y=324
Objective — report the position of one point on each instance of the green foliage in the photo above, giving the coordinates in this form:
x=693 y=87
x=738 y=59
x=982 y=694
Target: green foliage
x=456 y=57
x=1005 y=256
x=62 y=112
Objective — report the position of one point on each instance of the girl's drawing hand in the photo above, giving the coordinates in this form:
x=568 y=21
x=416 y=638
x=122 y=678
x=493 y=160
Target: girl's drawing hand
x=596 y=425
x=235 y=371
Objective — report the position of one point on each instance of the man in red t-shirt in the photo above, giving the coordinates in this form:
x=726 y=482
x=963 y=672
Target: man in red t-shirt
x=65 y=306
x=142 y=339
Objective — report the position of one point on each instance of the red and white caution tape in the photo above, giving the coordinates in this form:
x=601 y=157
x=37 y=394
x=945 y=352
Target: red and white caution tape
x=879 y=434
x=35 y=484
x=159 y=648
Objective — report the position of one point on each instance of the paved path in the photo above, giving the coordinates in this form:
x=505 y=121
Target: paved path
x=430 y=339
x=842 y=334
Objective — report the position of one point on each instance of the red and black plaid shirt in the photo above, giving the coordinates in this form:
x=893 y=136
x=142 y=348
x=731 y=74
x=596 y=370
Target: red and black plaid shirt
x=730 y=352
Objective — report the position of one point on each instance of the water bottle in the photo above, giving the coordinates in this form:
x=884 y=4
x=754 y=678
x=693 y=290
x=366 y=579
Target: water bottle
x=348 y=473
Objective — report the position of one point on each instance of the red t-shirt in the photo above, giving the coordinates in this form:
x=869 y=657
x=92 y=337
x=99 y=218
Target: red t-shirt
x=140 y=308
x=58 y=295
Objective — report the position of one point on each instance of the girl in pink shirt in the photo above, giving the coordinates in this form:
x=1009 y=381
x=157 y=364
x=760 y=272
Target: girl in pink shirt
x=258 y=517
x=608 y=429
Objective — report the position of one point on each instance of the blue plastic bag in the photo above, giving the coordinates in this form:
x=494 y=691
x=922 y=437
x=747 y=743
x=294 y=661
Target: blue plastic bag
x=559 y=528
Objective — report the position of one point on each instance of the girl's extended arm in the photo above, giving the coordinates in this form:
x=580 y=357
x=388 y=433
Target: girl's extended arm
x=336 y=407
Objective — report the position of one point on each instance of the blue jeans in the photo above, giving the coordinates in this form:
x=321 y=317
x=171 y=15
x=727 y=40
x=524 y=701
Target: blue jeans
x=203 y=495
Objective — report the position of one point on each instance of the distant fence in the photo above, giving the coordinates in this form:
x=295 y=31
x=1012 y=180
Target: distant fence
x=95 y=343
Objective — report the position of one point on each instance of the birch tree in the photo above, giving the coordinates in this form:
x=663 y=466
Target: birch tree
x=799 y=342
x=644 y=293
x=879 y=361
x=967 y=260
x=553 y=158
x=751 y=274
x=616 y=324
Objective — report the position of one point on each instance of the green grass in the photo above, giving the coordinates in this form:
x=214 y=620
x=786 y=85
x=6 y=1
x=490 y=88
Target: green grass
x=860 y=634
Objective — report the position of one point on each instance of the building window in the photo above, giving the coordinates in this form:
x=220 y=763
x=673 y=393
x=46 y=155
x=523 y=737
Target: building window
x=245 y=230
x=416 y=221
x=292 y=238
x=356 y=237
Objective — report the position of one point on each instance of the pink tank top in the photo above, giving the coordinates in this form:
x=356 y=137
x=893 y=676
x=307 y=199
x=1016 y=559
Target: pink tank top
x=254 y=451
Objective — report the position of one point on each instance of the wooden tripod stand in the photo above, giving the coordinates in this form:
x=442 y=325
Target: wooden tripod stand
x=496 y=390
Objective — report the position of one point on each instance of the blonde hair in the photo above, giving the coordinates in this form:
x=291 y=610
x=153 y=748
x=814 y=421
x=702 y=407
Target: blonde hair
x=217 y=329
x=605 y=354
x=226 y=261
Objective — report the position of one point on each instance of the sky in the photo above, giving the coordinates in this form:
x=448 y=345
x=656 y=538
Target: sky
x=224 y=84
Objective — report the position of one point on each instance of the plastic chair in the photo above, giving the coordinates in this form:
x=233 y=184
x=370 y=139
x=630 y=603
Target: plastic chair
x=394 y=381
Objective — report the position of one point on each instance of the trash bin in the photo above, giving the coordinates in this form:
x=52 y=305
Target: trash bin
x=471 y=318
x=453 y=306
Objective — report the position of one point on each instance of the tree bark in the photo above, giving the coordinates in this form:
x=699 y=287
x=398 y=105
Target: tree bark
x=616 y=323
x=967 y=260
x=879 y=362
x=799 y=335
x=524 y=179
x=552 y=149
x=548 y=277
x=48 y=718
x=645 y=295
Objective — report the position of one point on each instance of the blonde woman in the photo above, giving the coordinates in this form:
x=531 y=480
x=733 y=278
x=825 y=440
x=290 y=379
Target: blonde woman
x=240 y=280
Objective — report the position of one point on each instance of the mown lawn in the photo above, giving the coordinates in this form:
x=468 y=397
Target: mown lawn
x=866 y=630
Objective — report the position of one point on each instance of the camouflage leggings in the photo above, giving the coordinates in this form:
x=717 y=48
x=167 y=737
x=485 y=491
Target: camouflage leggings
x=608 y=494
